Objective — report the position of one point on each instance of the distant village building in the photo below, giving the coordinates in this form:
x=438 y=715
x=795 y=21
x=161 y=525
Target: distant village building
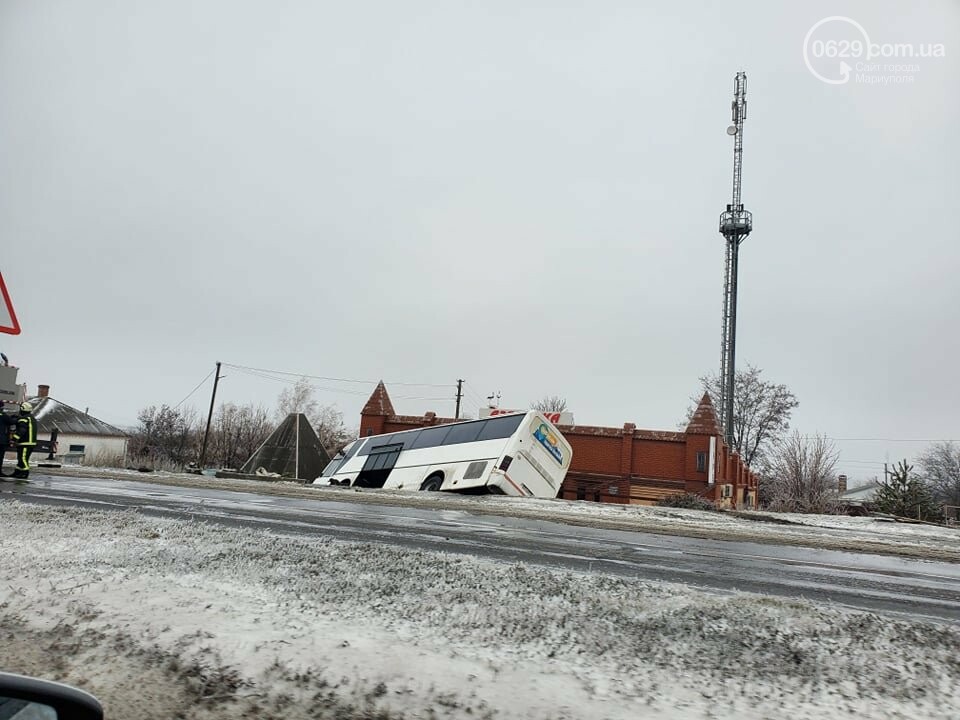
x=623 y=465
x=81 y=437
x=863 y=496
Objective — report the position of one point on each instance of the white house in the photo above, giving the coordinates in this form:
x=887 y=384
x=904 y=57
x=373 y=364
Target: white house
x=81 y=438
x=860 y=496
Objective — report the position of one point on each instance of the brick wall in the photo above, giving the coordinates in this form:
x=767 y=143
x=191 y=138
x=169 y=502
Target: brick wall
x=666 y=460
x=594 y=454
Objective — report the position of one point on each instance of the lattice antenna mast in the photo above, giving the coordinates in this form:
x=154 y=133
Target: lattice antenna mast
x=735 y=224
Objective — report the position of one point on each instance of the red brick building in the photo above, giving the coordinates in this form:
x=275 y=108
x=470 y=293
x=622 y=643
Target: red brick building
x=622 y=465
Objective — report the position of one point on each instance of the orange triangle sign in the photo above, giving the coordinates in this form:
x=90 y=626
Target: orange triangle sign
x=8 y=318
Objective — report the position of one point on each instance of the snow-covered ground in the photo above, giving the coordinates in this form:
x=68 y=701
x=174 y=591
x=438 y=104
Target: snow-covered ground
x=832 y=532
x=164 y=618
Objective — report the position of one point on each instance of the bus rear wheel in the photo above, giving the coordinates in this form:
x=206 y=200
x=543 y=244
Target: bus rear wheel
x=432 y=483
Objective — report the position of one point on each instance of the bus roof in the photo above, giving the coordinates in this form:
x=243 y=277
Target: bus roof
x=460 y=422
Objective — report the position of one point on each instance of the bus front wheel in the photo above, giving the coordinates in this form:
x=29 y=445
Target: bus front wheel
x=432 y=483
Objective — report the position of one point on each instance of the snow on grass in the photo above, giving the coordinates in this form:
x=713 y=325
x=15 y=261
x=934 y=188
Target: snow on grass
x=225 y=623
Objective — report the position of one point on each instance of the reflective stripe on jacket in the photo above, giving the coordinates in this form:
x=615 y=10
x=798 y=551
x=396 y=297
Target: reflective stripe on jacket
x=26 y=432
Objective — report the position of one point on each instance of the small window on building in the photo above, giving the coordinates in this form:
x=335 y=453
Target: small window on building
x=78 y=448
x=581 y=493
x=701 y=462
x=596 y=496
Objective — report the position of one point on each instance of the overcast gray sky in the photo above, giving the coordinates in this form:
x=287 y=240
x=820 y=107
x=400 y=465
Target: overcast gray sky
x=521 y=194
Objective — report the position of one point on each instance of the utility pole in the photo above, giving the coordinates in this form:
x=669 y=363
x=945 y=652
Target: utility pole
x=206 y=435
x=735 y=224
x=459 y=397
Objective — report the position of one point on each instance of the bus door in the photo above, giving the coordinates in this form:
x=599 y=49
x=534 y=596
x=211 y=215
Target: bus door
x=378 y=465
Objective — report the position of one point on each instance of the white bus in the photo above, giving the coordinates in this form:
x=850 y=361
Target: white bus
x=522 y=455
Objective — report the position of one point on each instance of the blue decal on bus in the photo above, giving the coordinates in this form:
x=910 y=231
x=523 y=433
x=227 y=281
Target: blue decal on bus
x=548 y=439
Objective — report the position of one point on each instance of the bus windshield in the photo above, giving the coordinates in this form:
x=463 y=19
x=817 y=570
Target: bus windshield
x=341 y=457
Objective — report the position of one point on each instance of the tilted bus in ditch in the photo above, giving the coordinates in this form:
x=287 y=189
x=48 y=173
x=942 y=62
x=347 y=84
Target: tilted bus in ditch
x=522 y=455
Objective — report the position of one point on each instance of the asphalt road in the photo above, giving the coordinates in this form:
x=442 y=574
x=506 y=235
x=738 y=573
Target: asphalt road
x=873 y=582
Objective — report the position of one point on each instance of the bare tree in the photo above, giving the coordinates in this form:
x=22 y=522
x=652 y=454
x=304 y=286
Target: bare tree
x=326 y=420
x=761 y=412
x=328 y=423
x=238 y=430
x=800 y=474
x=940 y=466
x=550 y=403
x=189 y=437
x=297 y=399
x=165 y=436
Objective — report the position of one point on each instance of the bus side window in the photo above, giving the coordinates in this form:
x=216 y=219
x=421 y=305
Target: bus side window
x=431 y=437
x=500 y=428
x=465 y=433
x=352 y=450
x=375 y=442
x=332 y=465
x=408 y=438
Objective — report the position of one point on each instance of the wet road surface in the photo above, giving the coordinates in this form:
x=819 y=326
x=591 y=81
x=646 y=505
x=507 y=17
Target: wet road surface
x=872 y=582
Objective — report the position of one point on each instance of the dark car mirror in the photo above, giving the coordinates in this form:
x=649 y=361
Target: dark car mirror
x=26 y=698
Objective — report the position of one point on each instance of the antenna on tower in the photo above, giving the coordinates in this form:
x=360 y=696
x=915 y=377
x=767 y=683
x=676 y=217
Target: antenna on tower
x=735 y=224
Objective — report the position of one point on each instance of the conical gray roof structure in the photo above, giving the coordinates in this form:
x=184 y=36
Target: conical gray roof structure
x=293 y=451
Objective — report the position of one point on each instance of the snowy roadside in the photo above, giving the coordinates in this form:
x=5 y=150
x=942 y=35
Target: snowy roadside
x=164 y=618
x=829 y=532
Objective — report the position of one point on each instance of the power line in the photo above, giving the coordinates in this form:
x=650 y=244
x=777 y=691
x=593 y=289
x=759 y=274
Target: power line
x=470 y=407
x=481 y=402
x=266 y=375
x=910 y=440
x=199 y=385
x=288 y=381
x=420 y=397
x=334 y=379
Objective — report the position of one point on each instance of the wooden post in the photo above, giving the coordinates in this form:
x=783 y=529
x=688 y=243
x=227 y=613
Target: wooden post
x=206 y=434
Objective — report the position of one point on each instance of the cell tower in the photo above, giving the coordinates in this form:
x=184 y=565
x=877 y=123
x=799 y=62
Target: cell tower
x=735 y=224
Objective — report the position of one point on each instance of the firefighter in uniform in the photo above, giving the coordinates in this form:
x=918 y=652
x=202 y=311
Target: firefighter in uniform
x=25 y=437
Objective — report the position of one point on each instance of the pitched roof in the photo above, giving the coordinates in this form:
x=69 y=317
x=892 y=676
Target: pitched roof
x=704 y=420
x=379 y=402
x=292 y=451
x=50 y=413
x=864 y=493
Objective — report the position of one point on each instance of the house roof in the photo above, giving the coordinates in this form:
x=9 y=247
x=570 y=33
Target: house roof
x=704 y=420
x=51 y=413
x=379 y=402
x=864 y=493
